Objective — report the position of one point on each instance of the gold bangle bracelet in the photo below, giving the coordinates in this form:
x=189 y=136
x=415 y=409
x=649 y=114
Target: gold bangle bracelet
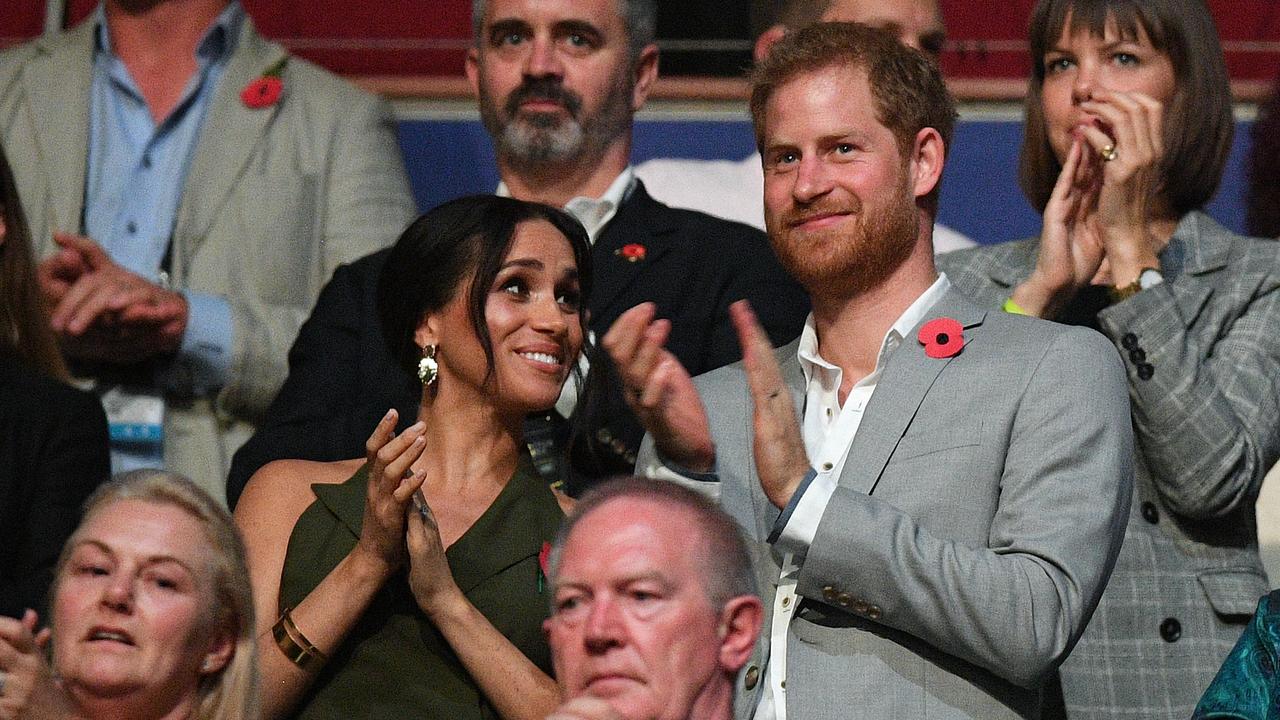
x=295 y=646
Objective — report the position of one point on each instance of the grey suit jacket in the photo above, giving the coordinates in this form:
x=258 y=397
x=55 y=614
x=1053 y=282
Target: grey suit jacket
x=972 y=531
x=274 y=200
x=1202 y=353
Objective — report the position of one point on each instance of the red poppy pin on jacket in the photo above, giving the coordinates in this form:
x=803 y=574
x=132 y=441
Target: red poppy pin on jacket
x=265 y=90
x=942 y=337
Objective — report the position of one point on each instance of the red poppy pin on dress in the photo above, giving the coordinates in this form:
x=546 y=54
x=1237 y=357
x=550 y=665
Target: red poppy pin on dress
x=632 y=252
x=544 y=559
x=942 y=337
x=265 y=91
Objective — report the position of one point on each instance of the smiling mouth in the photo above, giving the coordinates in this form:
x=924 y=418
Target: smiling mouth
x=543 y=358
x=816 y=222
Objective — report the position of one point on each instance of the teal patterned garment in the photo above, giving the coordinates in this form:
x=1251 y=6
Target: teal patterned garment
x=1246 y=686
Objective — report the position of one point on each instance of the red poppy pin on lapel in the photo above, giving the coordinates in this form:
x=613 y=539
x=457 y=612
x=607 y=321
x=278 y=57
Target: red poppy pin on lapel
x=942 y=337
x=632 y=252
x=265 y=91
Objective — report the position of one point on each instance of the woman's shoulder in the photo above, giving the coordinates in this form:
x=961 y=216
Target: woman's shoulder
x=282 y=488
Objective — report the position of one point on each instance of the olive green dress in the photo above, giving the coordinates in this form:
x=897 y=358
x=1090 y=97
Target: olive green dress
x=394 y=663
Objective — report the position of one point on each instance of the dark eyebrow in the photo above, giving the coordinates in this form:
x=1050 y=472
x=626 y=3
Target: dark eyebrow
x=532 y=263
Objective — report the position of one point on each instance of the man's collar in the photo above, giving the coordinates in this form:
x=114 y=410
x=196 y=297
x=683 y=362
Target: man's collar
x=219 y=40
x=810 y=358
x=595 y=213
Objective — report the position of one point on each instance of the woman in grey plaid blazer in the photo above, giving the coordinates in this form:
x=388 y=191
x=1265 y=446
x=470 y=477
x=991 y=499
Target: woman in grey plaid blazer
x=1127 y=131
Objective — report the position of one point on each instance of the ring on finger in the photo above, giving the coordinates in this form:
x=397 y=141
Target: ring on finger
x=1108 y=152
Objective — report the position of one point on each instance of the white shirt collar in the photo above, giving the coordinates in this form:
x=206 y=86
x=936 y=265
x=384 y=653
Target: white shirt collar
x=595 y=213
x=807 y=350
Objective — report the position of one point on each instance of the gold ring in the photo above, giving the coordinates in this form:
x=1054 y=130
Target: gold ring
x=1108 y=153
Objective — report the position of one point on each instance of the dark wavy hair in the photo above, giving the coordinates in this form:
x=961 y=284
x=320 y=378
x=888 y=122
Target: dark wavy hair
x=461 y=245
x=1197 y=122
x=25 y=332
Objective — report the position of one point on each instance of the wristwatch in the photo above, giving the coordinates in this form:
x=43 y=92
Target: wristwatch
x=1147 y=278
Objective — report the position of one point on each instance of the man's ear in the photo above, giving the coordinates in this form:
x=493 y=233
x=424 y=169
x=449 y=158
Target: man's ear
x=740 y=622
x=765 y=42
x=927 y=157
x=646 y=69
x=472 y=67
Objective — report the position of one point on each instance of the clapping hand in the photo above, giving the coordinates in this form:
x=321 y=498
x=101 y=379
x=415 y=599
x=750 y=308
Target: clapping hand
x=27 y=682
x=430 y=577
x=1097 y=220
x=659 y=390
x=391 y=485
x=781 y=458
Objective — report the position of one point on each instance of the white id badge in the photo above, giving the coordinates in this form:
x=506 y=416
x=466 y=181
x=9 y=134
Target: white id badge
x=135 y=416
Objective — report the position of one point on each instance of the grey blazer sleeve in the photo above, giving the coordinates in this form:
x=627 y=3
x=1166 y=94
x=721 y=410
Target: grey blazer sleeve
x=1202 y=352
x=1061 y=478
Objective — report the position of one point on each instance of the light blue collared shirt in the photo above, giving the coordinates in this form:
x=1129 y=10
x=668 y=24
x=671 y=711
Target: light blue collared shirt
x=137 y=169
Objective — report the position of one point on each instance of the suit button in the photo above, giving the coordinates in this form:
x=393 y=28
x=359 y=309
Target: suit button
x=1171 y=630
x=860 y=607
x=1150 y=513
x=1138 y=356
x=1129 y=341
x=874 y=612
x=844 y=599
x=752 y=677
x=630 y=458
x=618 y=446
x=829 y=594
x=1145 y=371
x=604 y=436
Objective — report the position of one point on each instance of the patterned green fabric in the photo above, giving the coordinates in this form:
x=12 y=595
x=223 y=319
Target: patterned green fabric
x=394 y=663
x=1246 y=686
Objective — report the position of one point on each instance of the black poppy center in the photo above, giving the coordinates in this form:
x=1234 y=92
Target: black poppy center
x=943 y=339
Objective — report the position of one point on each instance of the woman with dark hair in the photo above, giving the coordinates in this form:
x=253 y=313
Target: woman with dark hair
x=1127 y=132
x=480 y=298
x=53 y=437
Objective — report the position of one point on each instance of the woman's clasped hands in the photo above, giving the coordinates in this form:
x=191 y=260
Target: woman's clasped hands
x=1098 y=220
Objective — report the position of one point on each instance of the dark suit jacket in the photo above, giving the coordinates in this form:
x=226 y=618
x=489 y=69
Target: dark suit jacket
x=341 y=378
x=53 y=453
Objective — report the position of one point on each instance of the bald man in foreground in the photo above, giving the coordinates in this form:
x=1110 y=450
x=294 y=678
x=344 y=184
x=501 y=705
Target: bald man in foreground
x=654 y=607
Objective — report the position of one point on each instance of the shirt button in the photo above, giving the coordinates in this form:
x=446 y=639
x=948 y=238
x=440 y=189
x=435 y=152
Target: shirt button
x=786 y=602
x=752 y=677
x=131 y=227
x=1171 y=630
x=1129 y=341
x=827 y=466
x=828 y=412
x=1150 y=513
